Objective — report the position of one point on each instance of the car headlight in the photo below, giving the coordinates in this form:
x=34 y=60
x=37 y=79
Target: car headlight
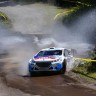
x=31 y=61
x=56 y=60
x=59 y=59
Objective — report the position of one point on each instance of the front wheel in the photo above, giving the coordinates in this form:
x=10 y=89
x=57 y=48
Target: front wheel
x=63 y=70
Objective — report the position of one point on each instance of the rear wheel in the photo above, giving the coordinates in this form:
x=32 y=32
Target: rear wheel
x=63 y=70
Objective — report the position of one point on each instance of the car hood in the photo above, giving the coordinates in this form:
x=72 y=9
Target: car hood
x=46 y=58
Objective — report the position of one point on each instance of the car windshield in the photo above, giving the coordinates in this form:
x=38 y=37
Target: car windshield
x=48 y=53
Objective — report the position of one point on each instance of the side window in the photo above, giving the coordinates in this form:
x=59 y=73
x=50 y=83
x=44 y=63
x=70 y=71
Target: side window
x=66 y=52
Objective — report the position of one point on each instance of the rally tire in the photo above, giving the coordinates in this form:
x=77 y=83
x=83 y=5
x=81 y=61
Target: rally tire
x=63 y=70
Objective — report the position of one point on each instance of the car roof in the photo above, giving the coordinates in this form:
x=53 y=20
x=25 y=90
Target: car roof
x=53 y=48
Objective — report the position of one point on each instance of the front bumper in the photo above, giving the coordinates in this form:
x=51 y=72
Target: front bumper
x=51 y=67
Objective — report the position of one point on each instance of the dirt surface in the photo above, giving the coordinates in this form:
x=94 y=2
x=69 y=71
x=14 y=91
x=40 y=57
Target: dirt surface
x=8 y=91
x=48 y=85
x=42 y=84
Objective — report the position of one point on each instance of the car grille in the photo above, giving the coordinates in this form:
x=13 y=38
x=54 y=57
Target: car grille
x=43 y=64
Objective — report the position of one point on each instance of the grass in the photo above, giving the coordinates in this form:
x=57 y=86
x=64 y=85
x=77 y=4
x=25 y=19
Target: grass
x=85 y=78
x=90 y=75
x=84 y=69
x=93 y=75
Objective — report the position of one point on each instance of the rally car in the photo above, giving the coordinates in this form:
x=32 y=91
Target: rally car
x=52 y=59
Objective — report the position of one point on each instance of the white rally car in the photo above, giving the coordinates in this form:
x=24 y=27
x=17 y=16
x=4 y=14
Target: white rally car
x=52 y=59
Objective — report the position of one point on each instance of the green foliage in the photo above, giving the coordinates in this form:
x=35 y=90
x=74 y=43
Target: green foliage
x=92 y=67
x=82 y=68
x=4 y=19
x=83 y=2
x=92 y=75
x=87 y=68
x=74 y=14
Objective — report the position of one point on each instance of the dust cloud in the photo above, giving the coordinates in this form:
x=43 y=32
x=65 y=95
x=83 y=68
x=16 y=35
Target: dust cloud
x=34 y=28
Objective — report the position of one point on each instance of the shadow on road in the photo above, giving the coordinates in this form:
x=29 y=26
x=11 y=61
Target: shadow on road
x=43 y=74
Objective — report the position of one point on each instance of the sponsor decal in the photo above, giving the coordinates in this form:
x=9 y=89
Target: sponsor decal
x=47 y=57
x=51 y=57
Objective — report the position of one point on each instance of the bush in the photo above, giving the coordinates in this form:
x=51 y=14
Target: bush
x=87 y=68
x=74 y=14
x=82 y=67
x=4 y=19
